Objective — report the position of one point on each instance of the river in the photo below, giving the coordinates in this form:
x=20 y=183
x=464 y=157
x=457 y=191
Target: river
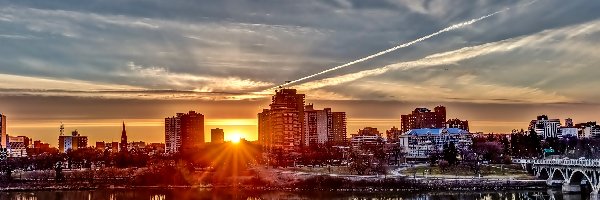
x=189 y=193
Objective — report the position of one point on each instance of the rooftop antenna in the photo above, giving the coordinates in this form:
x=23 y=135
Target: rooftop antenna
x=286 y=85
x=62 y=129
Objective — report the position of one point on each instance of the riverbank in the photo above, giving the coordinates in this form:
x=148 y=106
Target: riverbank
x=313 y=183
x=261 y=178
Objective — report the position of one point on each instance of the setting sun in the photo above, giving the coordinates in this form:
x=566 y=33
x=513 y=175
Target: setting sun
x=234 y=137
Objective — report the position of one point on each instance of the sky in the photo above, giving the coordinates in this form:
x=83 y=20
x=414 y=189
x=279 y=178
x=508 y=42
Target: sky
x=93 y=64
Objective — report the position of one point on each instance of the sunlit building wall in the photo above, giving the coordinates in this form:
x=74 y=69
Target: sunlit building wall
x=281 y=128
x=192 y=130
x=338 y=134
x=3 y=139
x=265 y=129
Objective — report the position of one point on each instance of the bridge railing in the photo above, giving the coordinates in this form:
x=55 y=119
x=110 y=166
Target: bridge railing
x=565 y=162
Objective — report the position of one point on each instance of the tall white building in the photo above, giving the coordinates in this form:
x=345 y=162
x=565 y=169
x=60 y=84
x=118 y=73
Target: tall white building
x=317 y=125
x=322 y=126
x=173 y=133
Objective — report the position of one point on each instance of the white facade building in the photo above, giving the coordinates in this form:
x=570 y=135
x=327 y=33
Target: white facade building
x=591 y=131
x=418 y=144
x=569 y=132
x=16 y=147
x=318 y=125
x=546 y=128
x=359 y=140
x=173 y=133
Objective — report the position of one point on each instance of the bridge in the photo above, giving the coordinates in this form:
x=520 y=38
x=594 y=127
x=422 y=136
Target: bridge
x=570 y=174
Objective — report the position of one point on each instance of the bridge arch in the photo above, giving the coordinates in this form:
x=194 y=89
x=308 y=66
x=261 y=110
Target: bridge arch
x=558 y=174
x=543 y=173
x=578 y=176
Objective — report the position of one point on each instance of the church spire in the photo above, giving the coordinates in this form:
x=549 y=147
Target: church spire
x=123 y=139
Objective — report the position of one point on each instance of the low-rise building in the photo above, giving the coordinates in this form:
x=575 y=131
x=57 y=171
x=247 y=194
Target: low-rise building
x=217 y=135
x=569 y=132
x=588 y=129
x=136 y=146
x=17 y=147
x=74 y=141
x=418 y=144
x=368 y=136
x=101 y=146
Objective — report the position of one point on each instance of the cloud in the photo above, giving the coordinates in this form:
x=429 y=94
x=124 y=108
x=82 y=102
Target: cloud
x=38 y=83
x=566 y=40
x=465 y=88
x=161 y=77
x=16 y=37
x=208 y=48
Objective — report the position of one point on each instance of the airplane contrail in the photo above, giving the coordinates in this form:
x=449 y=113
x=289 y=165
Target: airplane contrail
x=450 y=28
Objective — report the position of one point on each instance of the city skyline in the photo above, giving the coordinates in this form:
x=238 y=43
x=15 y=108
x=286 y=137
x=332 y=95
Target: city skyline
x=152 y=130
x=93 y=67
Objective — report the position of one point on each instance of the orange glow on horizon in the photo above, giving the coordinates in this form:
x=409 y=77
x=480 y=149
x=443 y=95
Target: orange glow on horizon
x=235 y=137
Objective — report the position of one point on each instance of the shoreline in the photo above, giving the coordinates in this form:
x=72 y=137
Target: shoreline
x=382 y=185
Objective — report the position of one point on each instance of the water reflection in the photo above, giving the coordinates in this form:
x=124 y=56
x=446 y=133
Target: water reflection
x=169 y=194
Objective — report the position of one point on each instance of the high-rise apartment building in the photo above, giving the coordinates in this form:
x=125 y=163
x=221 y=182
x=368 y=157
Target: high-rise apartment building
x=173 y=133
x=317 y=125
x=288 y=125
x=3 y=139
x=184 y=131
x=281 y=127
x=339 y=133
x=192 y=130
x=424 y=118
x=217 y=135
x=265 y=129
x=324 y=126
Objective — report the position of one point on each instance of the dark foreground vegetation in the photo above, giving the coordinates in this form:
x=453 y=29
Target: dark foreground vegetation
x=341 y=184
